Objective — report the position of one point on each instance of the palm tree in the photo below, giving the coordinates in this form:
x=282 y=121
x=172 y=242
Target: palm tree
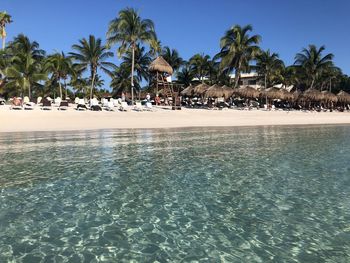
x=200 y=66
x=142 y=60
x=91 y=55
x=269 y=66
x=155 y=47
x=121 y=79
x=185 y=75
x=313 y=63
x=23 y=45
x=4 y=19
x=128 y=29
x=172 y=57
x=60 y=66
x=237 y=50
x=24 y=73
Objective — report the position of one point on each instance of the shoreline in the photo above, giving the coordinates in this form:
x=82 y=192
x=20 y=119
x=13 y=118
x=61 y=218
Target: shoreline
x=71 y=120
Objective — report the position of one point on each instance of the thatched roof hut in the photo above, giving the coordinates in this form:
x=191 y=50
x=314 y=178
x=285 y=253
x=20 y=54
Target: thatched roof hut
x=343 y=97
x=311 y=95
x=295 y=95
x=286 y=95
x=247 y=92
x=160 y=65
x=188 y=91
x=217 y=91
x=201 y=89
x=271 y=93
x=329 y=96
x=228 y=91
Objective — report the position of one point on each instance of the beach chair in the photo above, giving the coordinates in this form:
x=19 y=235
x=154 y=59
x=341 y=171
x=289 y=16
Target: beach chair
x=63 y=105
x=138 y=106
x=81 y=105
x=124 y=106
x=47 y=105
x=149 y=106
x=94 y=106
x=29 y=106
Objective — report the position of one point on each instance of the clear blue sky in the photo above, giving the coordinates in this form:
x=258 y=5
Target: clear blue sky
x=192 y=26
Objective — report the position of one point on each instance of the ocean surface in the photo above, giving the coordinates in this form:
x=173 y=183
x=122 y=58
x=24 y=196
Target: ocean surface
x=252 y=194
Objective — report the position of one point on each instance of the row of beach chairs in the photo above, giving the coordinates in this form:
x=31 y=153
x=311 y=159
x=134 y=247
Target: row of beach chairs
x=81 y=104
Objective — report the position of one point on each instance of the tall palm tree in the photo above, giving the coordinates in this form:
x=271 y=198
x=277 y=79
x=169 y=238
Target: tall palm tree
x=22 y=44
x=128 y=29
x=90 y=55
x=172 y=57
x=200 y=66
x=4 y=19
x=142 y=60
x=269 y=66
x=60 y=66
x=238 y=48
x=313 y=63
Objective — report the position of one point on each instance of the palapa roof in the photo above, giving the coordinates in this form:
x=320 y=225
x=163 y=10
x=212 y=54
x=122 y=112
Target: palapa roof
x=160 y=65
x=343 y=97
x=217 y=91
x=201 y=89
x=286 y=95
x=228 y=91
x=187 y=91
x=329 y=96
x=247 y=92
x=311 y=95
x=272 y=93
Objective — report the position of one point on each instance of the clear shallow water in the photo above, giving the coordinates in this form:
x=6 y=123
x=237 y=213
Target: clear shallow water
x=276 y=194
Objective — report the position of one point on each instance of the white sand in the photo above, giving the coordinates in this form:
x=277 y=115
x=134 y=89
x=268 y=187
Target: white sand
x=54 y=120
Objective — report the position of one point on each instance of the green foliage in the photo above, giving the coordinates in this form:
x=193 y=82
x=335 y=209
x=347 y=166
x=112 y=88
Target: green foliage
x=238 y=49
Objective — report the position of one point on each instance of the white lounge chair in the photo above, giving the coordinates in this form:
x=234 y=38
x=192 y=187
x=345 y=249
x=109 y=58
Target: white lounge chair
x=124 y=106
x=149 y=106
x=138 y=106
x=81 y=105
x=46 y=105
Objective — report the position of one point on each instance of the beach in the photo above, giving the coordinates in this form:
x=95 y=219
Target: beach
x=70 y=120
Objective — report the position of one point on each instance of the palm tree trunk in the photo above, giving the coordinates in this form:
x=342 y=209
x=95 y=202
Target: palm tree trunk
x=132 y=73
x=59 y=84
x=237 y=77
x=3 y=43
x=312 y=83
x=65 y=87
x=92 y=84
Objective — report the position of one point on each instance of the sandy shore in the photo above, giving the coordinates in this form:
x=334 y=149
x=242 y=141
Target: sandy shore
x=54 y=120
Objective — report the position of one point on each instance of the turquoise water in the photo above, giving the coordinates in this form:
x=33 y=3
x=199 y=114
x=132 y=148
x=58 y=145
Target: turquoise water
x=267 y=194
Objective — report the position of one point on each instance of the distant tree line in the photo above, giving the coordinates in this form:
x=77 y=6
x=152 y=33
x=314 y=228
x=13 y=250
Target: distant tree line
x=27 y=70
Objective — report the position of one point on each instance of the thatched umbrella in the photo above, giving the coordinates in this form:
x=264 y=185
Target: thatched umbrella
x=311 y=95
x=295 y=95
x=286 y=95
x=271 y=93
x=343 y=97
x=188 y=91
x=201 y=89
x=228 y=91
x=160 y=65
x=247 y=92
x=329 y=97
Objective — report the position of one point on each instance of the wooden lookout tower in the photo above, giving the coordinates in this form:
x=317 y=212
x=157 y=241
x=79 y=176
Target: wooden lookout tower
x=161 y=73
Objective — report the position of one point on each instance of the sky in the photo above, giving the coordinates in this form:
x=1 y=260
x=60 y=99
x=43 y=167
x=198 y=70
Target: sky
x=191 y=26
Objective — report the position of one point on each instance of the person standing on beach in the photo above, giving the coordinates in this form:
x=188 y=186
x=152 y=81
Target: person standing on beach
x=148 y=97
x=123 y=96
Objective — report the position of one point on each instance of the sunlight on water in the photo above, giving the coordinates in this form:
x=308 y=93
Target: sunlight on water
x=267 y=194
